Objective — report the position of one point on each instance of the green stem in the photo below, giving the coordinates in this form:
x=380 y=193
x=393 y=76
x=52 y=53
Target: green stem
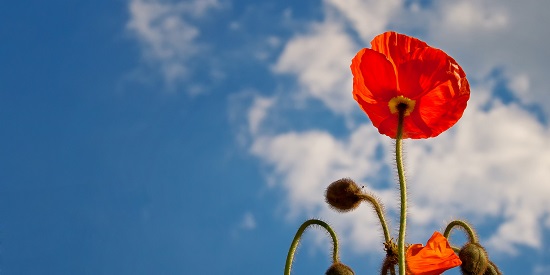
x=472 y=236
x=379 y=209
x=296 y=240
x=403 y=190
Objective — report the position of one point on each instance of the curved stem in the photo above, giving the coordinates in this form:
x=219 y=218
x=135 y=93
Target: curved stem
x=472 y=236
x=296 y=240
x=379 y=208
x=403 y=190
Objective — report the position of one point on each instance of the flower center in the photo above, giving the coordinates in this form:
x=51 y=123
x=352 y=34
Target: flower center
x=401 y=103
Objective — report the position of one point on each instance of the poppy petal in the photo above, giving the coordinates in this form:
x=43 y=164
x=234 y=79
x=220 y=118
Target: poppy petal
x=374 y=76
x=388 y=126
x=418 y=128
x=378 y=112
x=433 y=259
x=439 y=110
x=413 y=128
x=424 y=70
x=396 y=46
x=438 y=85
x=403 y=66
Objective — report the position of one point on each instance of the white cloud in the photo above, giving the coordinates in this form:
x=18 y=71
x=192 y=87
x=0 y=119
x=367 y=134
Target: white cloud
x=493 y=165
x=305 y=163
x=248 y=222
x=368 y=18
x=309 y=161
x=520 y=84
x=167 y=37
x=467 y=16
x=319 y=56
x=258 y=112
x=484 y=35
x=199 y=7
x=318 y=59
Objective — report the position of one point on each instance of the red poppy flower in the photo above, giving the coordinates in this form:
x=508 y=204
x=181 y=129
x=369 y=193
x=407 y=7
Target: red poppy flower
x=400 y=69
x=432 y=259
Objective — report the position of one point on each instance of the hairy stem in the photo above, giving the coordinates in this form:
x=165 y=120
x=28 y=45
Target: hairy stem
x=296 y=240
x=403 y=190
x=379 y=209
x=472 y=236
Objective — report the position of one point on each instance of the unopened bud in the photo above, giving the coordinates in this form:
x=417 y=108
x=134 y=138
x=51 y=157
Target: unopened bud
x=343 y=195
x=339 y=269
x=492 y=269
x=474 y=259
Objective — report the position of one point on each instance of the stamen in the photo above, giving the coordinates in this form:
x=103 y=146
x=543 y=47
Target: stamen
x=401 y=103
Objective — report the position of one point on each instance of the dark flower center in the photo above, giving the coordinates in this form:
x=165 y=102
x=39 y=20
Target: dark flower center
x=401 y=104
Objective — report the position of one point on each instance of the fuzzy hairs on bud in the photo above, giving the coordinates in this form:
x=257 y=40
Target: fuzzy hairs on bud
x=343 y=195
x=474 y=259
x=339 y=268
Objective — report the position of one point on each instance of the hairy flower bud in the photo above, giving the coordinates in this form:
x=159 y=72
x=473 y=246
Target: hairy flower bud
x=339 y=269
x=343 y=195
x=474 y=259
x=492 y=269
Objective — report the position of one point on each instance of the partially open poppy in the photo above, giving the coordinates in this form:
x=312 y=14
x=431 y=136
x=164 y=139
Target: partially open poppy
x=401 y=70
x=432 y=259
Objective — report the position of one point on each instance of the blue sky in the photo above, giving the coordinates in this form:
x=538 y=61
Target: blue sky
x=195 y=136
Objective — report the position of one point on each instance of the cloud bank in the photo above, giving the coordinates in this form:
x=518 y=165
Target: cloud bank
x=491 y=168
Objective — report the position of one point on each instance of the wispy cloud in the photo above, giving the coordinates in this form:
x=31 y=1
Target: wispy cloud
x=248 y=222
x=541 y=270
x=168 y=39
x=258 y=112
x=368 y=18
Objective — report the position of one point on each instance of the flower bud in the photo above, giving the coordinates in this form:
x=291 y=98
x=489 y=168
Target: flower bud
x=343 y=195
x=492 y=269
x=474 y=259
x=339 y=269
